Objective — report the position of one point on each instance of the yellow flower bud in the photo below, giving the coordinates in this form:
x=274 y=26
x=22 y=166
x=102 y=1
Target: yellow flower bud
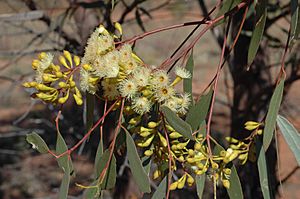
x=76 y=60
x=87 y=67
x=190 y=160
x=77 y=92
x=78 y=99
x=35 y=64
x=259 y=132
x=227 y=171
x=58 y=74
x=42 y=55
x=226 y=183
x=250 y=125
x=191 y=152
x=26 y=84
x=152 y=125
x=181 y=158
x=146 y=143
x=214 y=165
x=175 y=135
x=68 y=55
x=145 y=133
x=232 y=140
x=63 y=61
x=190 y=180
x=174 y=147
x=148 y=152
x=200 y=165
x=62 y=100
x=197 y=146
x=118 y=27
x=181 y=182
x=156 y=174
x=42 y=87
x=173 y=186
x=63 y=85
x=163 y=140
x=93 y=80
x=169 y=128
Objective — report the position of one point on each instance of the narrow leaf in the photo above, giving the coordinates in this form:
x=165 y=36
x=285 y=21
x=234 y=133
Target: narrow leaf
x=235 y=191
x=136 y=167
x=37 y=142
x=64 y=187
x=109 y=180
x=139 y=20
x=263 y=171
x=177 y=123
x=61 y=147
x=198 y=112
x=270 y=121
x=200 y=184
x=257 y=34
x=99 y=153
x=161 y=190
x=187 y=83
x=227 y=5
x=294 y=18
x=291 y=136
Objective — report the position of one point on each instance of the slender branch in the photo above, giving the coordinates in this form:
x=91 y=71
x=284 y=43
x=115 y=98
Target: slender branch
x=215 y=91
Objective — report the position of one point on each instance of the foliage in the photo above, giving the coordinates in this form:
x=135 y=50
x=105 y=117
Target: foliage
x=160 y=123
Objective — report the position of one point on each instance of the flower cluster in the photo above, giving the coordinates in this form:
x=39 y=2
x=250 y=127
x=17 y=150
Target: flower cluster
x=53 y=82
x=119 y=72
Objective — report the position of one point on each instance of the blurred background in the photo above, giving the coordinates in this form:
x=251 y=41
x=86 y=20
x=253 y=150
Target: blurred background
x=29 y=27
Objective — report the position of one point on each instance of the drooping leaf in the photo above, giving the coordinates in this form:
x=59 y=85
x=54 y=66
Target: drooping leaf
x=294 y=19
x=136 y=167
x=198 y=112
x=90 y=106
x=257 y=34
x=177 y=123
x=263 y=171
x=98 y=159
x=200 y=184
x=187 y=83
x=270 y=121
x=61 y=147
x=64 y=186
x=37 y=142
x=235 y=190
x=109 y=180
x=227 y=5
x=93 y=192
x=291 y=136
x=161 y=190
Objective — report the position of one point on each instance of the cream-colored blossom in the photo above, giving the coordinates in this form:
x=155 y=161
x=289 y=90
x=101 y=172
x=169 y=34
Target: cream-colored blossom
x=141 y=76
x=183 y=103
x=141 y=105
x=182 y=73
x=127 y=88
x=160 y=78
x=110 y=90
x=164 y=93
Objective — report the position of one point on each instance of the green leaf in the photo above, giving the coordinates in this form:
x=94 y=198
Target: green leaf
x=257 y=34
x=161 y=190
x=64 y=186
x=146 y=162
x=177 y=123
x=109 y=180
x=227 y=5
x=235 y=190
x=198 y=112
x=263 y=171
x=98 y=159
x=187 y=83
x=294 y=18
x=61 y=147
x=200 y=184
x=37 y=142
x=291 y=136
x=270 y=121
x=136 y=167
